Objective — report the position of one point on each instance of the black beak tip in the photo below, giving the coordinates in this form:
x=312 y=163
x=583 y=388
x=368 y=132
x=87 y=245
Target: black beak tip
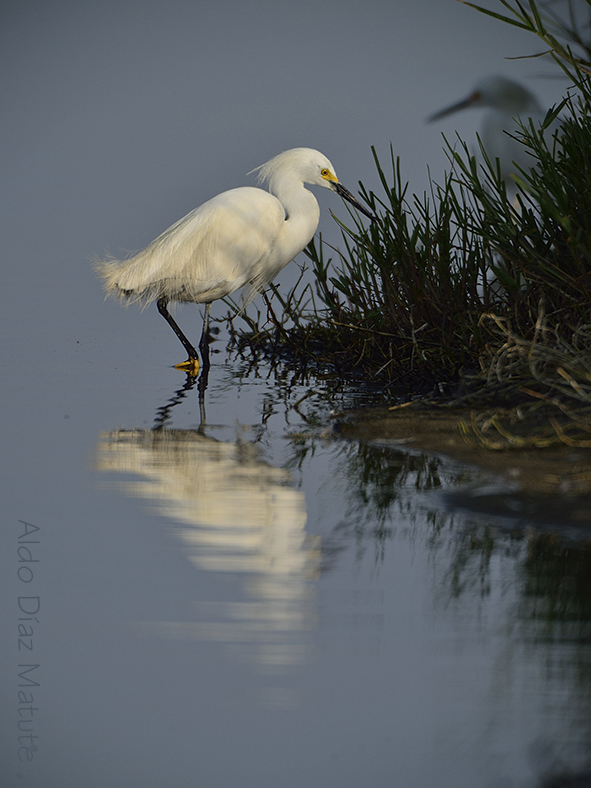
x=346 y=195
x=367 y=213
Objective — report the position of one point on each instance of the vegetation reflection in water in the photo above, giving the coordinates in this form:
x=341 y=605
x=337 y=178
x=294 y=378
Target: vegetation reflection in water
x=528 y=587
x=518 y=580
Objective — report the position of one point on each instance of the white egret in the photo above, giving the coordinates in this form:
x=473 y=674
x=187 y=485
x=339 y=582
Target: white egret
x=240 y=239
x=508 y=104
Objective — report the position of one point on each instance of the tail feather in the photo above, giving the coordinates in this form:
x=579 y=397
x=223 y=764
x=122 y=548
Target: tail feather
x=129 y=280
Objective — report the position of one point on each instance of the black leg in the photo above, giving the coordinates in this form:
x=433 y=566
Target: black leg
x=204 y=341
x=162 y=303
x=204 y=347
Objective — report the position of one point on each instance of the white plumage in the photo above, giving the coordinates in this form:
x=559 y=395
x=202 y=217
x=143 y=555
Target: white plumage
x=240 y=239
x=508 y=104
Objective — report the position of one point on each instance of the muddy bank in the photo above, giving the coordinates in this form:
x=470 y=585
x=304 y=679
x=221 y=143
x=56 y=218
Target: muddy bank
x=551 y=483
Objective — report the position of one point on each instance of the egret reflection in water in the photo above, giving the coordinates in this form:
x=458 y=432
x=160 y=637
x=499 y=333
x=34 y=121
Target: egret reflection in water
x=233 y=513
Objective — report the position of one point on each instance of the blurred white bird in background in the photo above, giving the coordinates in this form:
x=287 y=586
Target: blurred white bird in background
x=508 y=104
x=240 y=239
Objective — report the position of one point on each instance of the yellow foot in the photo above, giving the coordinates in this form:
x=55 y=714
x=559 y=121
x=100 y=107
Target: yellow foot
x=191 y=365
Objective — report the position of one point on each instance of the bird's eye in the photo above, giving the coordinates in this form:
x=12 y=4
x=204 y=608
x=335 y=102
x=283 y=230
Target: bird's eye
x=324 y=172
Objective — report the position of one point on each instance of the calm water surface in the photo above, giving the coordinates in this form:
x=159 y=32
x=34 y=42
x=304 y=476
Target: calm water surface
x=242 y=598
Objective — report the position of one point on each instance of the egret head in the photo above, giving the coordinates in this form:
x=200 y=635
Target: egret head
x=304 y=165
x=505 y=94
x=495 y=92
